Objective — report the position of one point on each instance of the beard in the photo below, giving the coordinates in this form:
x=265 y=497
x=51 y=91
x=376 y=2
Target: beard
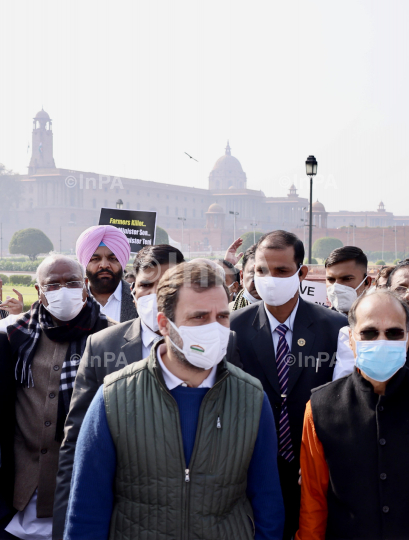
x=180 y=357
x=104 y=285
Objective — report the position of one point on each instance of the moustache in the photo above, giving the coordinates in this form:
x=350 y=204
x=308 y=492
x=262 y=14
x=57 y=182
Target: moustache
x=104 y=272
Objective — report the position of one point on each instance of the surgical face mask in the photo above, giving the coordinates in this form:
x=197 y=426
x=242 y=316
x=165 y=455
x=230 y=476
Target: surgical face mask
x=342 y=297
x=380 y=359
x=64 y=304
x=249 y=297
x=277 y=291
x=147 y=307
x=203 y=346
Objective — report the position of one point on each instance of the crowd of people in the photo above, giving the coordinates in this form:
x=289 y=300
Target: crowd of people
x=205 y=400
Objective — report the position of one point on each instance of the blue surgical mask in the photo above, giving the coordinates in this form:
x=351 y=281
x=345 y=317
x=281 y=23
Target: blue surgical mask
x=380 y=359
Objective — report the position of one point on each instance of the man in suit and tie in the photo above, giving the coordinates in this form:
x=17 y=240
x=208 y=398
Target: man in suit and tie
x=290 y=346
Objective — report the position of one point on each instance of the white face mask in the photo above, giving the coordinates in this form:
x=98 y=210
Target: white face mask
x=203 y=346
x=147 y=307
x=249 y=297
x=64 y=304
x=342 y=297
x=277 y=291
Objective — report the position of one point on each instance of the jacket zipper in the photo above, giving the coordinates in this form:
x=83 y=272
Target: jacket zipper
x=253 y=525
x=216 y=444
x=187 y=472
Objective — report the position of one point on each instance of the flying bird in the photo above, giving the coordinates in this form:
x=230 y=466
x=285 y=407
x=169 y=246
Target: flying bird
x=191 y=157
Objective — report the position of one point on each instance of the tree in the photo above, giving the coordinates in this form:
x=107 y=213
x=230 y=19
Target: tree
x=380 y=262
x=322 y=247
x=162 y=236
x=30 y=242
x=313 y=261
x=248 y=240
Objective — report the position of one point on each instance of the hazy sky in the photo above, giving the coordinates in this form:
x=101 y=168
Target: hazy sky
x=132 y=85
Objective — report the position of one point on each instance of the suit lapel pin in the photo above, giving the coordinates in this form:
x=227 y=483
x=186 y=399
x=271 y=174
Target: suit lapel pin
x=301 y=342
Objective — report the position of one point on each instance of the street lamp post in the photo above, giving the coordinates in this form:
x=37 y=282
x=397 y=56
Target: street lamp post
x=383 y=241
x=396 y=247
x=311 y=166
x=119 y=204
x=304 y=222
x=353 y=233
x=234 y=216
x=182 y=219
x=60 y=240
x=254 y=231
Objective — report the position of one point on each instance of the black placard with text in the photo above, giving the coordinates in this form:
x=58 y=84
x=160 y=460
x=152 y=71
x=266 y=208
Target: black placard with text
x=139 y=226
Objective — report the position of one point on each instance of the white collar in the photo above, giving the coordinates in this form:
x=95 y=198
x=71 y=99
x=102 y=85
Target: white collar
x=118 y=292
x=172 y=381
x=148 y=335
x=289 y=322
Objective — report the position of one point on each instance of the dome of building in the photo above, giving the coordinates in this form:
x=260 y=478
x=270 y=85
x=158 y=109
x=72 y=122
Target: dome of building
x=215 y=209
x=228 y=162
x=42 y=115
x=318 y=207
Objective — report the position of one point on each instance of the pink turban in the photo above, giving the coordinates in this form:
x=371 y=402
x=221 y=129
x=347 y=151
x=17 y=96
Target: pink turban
x=110 y=236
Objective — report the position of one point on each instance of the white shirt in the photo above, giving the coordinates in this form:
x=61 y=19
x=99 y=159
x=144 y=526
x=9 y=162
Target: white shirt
x=345 y=357
x=7 y=321
x=27 y=526
x=172 y=381
x=112 y=308
x=148 y=339
x=289 y=323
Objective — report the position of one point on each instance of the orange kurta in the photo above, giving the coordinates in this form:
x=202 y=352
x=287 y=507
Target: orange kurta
x=314 y=485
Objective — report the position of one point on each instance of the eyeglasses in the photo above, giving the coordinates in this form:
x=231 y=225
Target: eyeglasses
x=57 y=286
x=393 y=334
x=401 y=290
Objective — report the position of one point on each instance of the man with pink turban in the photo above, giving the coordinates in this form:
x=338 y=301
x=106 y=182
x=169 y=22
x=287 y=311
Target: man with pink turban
x=104 y=252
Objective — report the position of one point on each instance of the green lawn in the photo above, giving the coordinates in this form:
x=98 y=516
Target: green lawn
x=29 y=293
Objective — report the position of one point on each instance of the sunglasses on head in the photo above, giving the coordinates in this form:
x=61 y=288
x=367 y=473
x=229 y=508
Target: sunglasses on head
x=392 y=334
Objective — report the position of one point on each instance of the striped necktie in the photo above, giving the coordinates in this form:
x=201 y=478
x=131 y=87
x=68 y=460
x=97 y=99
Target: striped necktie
x=285 y=446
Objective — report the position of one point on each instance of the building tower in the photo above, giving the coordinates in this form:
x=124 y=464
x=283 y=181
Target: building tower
x=42 y=143
x=227 y=173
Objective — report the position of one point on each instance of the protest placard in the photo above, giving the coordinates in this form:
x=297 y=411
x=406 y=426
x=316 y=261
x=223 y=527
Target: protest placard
x=139 y=226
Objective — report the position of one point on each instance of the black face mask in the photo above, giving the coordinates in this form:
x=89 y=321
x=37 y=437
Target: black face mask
x=104 y=285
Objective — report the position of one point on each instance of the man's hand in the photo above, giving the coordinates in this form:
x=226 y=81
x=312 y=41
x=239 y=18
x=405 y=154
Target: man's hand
x=231 y=252
x=12 y=305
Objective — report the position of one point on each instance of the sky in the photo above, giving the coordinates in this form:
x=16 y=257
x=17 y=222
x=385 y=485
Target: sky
x=131 y=86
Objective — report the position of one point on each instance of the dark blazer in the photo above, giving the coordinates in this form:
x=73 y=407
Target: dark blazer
x=7 y=404
x=106 y=352
x=128 y=309
x=315 y=335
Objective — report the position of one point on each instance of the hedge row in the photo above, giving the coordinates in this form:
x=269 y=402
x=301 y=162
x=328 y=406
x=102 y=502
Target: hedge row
x=9 y=266
x=387 y=256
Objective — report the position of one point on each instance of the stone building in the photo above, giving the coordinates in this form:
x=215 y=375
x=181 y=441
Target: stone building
x=64 y=202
